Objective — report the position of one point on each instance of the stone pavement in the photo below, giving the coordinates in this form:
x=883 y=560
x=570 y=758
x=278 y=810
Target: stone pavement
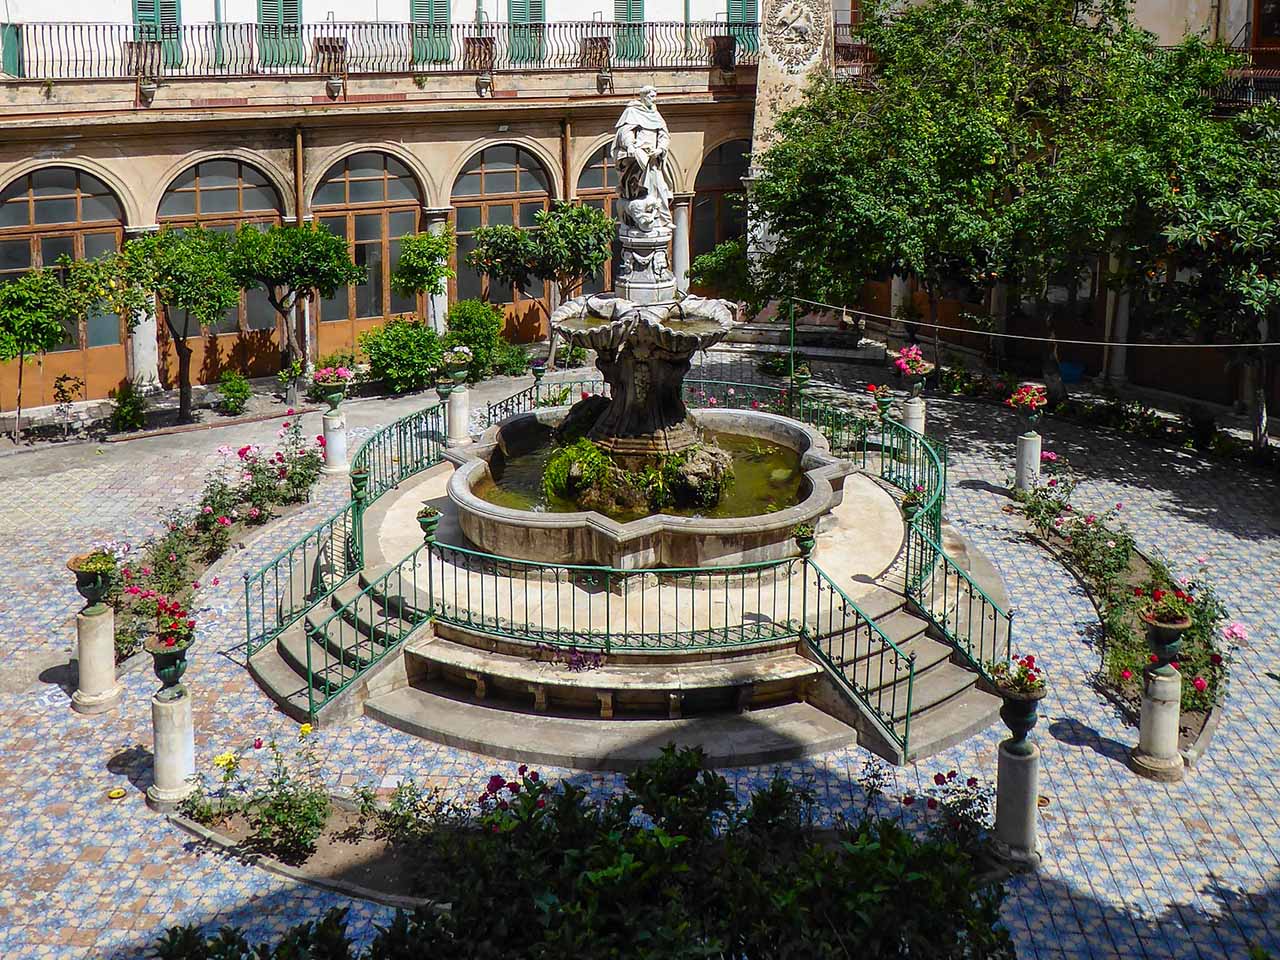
x=1132 y=869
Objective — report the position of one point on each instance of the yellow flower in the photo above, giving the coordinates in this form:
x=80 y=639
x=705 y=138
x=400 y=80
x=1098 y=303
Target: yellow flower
x=304 y=731
x=226 y=761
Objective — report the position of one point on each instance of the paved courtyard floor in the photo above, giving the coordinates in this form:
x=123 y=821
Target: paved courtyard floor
x=1132 y=868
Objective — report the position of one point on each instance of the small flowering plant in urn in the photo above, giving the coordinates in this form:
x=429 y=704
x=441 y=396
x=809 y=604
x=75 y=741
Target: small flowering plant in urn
x=882 y=396
x=175 y=632
x=1020 y=682
x=428 y=520
x=457 y=360
x=912 y=367
x=332 y=382
x=1167 y=612
x=1028 y=400
x=913 y=501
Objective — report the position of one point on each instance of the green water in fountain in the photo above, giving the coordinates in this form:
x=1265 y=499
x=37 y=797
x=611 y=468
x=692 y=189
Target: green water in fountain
x=767 y=477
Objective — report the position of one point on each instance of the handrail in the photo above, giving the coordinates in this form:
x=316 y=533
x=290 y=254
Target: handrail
x=103 y=51
x=863 y=658
x=401 y=449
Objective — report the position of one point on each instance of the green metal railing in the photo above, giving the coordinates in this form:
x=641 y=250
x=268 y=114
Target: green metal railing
x=331 y=553
x=308 y=570
x=861 y=657
x=543 y=393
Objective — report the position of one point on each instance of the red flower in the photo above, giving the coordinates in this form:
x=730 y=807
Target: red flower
x=320 y=440
x=932 y=804
x=585 y=394
x=971 y=782
x=285 y=425
x=541 y=803
x=1154 y=658
x=496 y=783
x=951 y=775
x=908 y=800
x=522 y=770
x=1137 y=591
x=1174 y=664
x=513 y=787
x=257 y=743
x=534 y=776
x=1126 y=674
x=244 y=451
x=1200 y=684
x=940 y=779
x=1215 y=659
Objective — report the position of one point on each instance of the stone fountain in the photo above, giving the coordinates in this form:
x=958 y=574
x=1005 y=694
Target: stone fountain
x=644 y=338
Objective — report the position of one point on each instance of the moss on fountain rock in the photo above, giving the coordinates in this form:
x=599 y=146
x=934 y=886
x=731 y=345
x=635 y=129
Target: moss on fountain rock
x=583 y=473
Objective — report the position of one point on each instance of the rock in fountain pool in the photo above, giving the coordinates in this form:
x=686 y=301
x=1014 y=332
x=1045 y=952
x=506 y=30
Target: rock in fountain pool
x=767 y=478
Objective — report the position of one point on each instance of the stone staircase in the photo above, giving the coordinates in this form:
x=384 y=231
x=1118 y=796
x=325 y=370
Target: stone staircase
x=506 y=698
x=818 y=341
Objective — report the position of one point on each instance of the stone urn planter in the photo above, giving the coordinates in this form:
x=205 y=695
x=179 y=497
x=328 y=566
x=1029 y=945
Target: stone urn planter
x=429 y=522
x=883 y=404
x=539 y=370
x=805 y=540
x=1031 y=419
x=910 y=510
x=444 y=388
x=801 y=379
x=334 y=396
x=915 y=381
x=169 y=663
x=459 y=376
x=1165 y=639
x=92 y=584
x=1019 y=711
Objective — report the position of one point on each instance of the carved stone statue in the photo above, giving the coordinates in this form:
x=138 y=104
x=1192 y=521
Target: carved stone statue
x=640 y=143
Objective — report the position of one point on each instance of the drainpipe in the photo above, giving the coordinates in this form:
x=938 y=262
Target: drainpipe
x=566 y=132
x=1217 y=20
x=217 y=32
x=299 y=206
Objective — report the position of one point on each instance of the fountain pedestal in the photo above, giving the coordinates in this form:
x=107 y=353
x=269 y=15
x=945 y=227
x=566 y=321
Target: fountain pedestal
x=645 y=275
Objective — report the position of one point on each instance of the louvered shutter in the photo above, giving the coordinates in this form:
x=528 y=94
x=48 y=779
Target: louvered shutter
x=430 y=30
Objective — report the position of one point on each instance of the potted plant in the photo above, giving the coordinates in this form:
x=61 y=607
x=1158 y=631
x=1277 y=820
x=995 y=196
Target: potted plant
x=882 y=396
x=428 y=520
x=332 y=382
x=94 y=571
x=457 y=360
x=804 y=537
x=1020 y=683
x=1030 y=401
x=913 y=501
x=1167 y=614
x=801 y=375
x=539 y=368
x=175 y=632
x=444 y=385
x=913 y=368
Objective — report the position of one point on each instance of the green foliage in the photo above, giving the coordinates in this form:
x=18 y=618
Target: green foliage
x=403 y=354
x=128 y=408
x=292 y=263
x=542 y=871
x=323 y=939
x=289 y=812
x=31 y=312
x=578 y=466
x=570 y=243
x=571 y=355
x=235 y=391
x=726 y=271
x=774 y=365
x=478 y=326
x=423 y=266
x=510 y=359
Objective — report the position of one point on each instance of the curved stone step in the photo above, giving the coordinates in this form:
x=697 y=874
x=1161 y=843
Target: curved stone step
x=769 y=735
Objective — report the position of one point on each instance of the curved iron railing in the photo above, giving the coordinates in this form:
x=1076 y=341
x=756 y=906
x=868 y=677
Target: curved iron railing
x=100 y=51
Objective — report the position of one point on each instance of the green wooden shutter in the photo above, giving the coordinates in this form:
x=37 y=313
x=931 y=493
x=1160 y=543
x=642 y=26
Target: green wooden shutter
x=431 y=43
x=11 y=49
x=744 y=12
x=629 y=15
x=526 y=17
x=160 y=20
x=280 y=33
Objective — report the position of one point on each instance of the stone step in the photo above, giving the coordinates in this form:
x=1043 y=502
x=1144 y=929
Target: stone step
x=874 y=353
x=279 y=680
x=952 y=722
x=769 y=735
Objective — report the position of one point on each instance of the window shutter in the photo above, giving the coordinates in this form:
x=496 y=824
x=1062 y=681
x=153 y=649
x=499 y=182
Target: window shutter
x=537 y=14
x=518 y=11
x=440 y=11
x=169 y=12
x=146 y=11
x=291 y=12
x=628 y=11
x=269 y=13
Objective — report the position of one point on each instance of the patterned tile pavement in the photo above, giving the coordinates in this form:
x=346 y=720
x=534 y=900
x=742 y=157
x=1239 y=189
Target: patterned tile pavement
x=1132 y=869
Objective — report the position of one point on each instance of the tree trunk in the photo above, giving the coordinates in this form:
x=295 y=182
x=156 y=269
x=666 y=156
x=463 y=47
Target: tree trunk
x=17 y=416
x=552 y=336
x=1261 y=439
x=933 y=320
x=184 y=363
x=1055 y=389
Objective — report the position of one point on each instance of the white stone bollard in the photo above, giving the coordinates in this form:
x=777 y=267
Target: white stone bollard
x=96 y=690
x=459 y=415
x=335 y=442
x=1028 y=466
x=1017 y=802
x=913 y=414
x=1156 y=756
x=175 y=750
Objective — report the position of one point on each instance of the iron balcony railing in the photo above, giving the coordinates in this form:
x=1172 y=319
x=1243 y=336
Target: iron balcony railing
x=100 y=51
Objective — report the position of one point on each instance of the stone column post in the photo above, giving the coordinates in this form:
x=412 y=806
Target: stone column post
x=175 y=750
x=899 y=294
x=681 y=208
x=1156 y=756
x=1027 y=474
x=913 y=411
x=1017 y=798
x=335 y=442
x=96 y=689
x=437 y=218
x=459 y=416
x=144 y=342
x=1117 y=362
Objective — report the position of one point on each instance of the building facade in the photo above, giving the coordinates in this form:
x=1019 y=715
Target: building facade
x=373 y=120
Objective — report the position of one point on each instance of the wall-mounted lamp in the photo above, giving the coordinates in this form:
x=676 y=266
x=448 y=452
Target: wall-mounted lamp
x=334 y=86
x=484 y=84
x=147 y=91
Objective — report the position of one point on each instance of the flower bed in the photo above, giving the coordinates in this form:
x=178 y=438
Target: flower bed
x=245 y=490
x=1123 y=583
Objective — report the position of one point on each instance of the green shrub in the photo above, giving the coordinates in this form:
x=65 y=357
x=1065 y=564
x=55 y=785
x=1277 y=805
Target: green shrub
x=774 y=365
x=571 y=356
x=510 y=359
x=235 y=392
x=403 y=354
x=289 y=812
x=128 y=409
x=578 y=466
x=478 y=326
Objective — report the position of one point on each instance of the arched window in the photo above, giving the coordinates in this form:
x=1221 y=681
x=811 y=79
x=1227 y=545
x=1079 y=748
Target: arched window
x=55 y=211
x=371 y=200
x=717 y=210
x=503 y=184
x=598 y=187
x=222 y=195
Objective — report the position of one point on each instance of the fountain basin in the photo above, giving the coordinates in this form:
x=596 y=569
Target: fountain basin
x=658 y=540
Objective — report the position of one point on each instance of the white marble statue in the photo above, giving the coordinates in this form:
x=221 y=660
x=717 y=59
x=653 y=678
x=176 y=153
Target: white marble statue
x=640 y=143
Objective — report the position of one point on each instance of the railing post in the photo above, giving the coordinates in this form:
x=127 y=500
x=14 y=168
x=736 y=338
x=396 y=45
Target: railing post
x=359 y=494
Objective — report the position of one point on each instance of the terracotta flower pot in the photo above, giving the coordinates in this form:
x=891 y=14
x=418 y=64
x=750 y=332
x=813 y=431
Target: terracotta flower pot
x=1019 y=713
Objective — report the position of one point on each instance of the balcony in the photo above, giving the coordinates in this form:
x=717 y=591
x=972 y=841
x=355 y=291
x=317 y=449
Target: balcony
x=90 y=51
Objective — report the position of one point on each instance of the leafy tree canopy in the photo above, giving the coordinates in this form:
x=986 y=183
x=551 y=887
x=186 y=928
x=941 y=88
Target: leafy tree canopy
x=423 y=266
